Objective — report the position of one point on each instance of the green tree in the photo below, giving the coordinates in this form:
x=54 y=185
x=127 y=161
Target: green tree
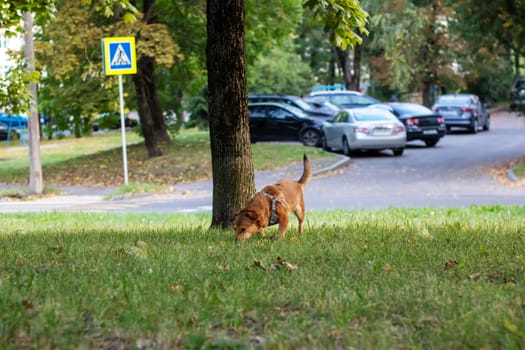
x=411 y=49
x=314 y=46
x=74 y=88
x=11 y=16
x=497 y=23
x=280 y=72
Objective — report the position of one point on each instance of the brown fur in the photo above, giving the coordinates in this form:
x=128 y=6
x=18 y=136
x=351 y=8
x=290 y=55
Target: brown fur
x=257 y=213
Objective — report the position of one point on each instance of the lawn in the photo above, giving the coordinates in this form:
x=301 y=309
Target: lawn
x=386 y=279
x=97 y=160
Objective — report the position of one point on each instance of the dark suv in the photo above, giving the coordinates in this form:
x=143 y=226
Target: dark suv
x=517 y=94
x=463 y=111
x=295 y=101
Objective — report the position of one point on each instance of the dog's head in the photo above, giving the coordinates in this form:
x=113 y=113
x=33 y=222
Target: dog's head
x=245 y=224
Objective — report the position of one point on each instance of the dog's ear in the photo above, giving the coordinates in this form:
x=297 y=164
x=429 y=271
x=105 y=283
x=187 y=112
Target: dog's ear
x=232 y=219
x=251 y=214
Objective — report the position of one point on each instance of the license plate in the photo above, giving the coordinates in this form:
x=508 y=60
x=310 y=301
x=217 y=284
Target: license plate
x=430 y=132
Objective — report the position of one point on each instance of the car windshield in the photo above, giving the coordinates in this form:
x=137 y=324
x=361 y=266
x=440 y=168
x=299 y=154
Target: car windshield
x=302 y=104
x=371 y=115
x=454 y=100
x=412 y=109
x=296 y=111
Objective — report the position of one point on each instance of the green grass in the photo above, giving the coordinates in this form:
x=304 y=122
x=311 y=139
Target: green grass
x=519 y=169
x=387 y=279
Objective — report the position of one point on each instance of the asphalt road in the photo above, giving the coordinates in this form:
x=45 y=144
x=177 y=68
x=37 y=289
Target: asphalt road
x=455 y=173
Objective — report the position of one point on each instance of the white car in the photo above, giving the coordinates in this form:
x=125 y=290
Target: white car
x=343 y=98
x=362 y=129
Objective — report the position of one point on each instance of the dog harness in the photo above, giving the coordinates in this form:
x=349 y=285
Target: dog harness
x=273 y=217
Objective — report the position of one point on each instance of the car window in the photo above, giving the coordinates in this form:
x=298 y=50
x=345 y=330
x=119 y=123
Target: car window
x=378 y=114
x=453 y=100
x=411 y=109
x=341 y=117
x=300 y=103
x=257 y=111
x=280 y=113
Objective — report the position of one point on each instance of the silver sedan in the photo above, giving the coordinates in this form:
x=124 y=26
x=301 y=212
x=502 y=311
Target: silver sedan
x=362 y=129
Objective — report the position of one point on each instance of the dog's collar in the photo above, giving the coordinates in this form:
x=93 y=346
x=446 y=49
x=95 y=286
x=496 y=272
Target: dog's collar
x=273 y=217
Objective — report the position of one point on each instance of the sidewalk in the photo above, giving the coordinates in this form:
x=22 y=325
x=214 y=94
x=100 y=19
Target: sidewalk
x=91 y=196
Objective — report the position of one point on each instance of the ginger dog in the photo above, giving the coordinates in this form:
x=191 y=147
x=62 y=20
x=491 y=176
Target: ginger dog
x=273 y=205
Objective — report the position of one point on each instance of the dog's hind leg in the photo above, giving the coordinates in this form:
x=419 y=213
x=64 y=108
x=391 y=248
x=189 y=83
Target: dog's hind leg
x=299 y=213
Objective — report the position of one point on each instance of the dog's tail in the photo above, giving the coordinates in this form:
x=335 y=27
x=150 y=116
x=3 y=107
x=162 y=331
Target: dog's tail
x=307 y=172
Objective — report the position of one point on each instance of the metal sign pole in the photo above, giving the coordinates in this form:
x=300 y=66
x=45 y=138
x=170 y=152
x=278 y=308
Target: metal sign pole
x=123 y=129
x=119 y=57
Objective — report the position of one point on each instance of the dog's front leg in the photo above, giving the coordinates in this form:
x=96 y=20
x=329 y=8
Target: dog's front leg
x=283 y=225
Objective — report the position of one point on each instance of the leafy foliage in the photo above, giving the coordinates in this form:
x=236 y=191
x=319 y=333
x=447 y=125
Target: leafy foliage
x=280 y=72
x=345 y=20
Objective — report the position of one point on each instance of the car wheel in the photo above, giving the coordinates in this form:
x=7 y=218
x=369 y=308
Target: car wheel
x=346 y=147
x=486 y=127
x=431 y=143
x=311 y=138
x=398 y=151
x=474 y=126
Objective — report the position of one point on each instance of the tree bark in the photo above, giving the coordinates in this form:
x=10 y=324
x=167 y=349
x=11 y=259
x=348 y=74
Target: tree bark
x=145 y=109
x=356 y=78
x=346 y=66
x=36 y=182
x=150 y=112
x=232 y=166
x=351 y=68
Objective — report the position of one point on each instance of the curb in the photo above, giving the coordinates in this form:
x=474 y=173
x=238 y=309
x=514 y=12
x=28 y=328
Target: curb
x=344 y=161
x=512 y=177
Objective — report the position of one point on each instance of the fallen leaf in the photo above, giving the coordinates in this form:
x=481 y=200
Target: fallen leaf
x=451 y=264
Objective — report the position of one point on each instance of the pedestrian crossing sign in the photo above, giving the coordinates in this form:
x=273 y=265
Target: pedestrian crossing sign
x=118 y=55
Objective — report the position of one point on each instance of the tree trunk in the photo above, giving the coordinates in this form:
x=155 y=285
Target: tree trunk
x=145 y=109
x=36 y=182
x=351 y=70
x=427 y=93
x=356 y=78
x=150 y=112
x=346 y=65
x=232 y=166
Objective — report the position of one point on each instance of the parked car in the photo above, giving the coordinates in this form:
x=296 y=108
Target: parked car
x=272 y=121
x=325 y=105
x=420 y=122
x=111 y=121
x=517 y=94
x=4 y=132
x=464 y=111
x=294 y=101
x=362 y=129
x=344 y=98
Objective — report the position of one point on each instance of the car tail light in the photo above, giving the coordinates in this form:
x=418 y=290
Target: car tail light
x=398 y=129
x=412 y=121
x=361 y=130
x=441 y=120
x=466 y=109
